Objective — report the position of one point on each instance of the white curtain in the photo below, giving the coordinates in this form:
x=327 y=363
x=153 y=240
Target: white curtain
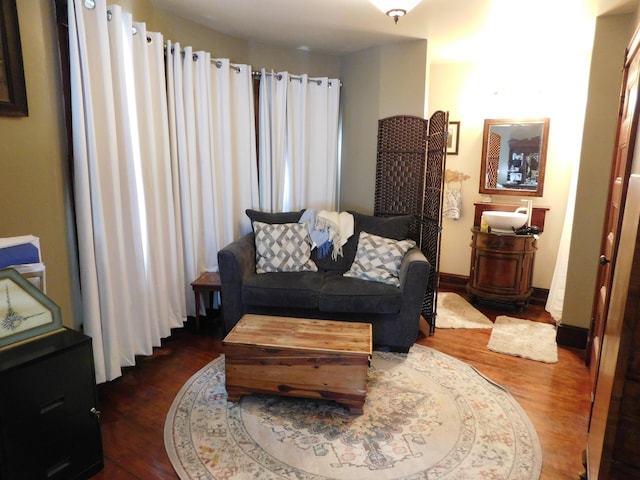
x=212 y=126
x=555 y=299
x=272 y=125
x=129 y=269
x=235 y=184
x=299 y=134
x=186 y=136
x=165 y=244
x=165 y=165
x=163 y=172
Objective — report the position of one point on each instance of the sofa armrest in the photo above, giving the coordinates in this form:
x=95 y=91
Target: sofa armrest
x=414 y=277
x=414 y=267
x=236 y=262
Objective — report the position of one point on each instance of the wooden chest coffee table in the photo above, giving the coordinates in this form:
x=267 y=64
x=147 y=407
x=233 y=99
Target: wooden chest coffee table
x=298 y=357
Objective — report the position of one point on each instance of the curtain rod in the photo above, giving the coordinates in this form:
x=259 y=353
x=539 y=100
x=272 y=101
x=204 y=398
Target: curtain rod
x=292 y=77
x=217 y=63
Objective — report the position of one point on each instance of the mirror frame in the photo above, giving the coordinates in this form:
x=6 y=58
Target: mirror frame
x=542 y=162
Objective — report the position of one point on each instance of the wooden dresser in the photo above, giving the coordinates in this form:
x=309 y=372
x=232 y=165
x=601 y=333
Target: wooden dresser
x=49 y=424
x=501 y=267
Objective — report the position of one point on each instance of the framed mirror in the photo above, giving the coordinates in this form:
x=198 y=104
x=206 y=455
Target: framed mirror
x=514 y=154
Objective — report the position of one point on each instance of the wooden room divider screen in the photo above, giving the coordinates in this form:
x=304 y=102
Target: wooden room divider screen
x=409 y=180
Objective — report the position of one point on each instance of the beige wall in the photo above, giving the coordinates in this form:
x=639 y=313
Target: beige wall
x=474 y=91
x=581 y=96
x=360 y=87
x=33 y=158
x=256 y=54
x=403 y=72
x=612 y=36
x=377 y=83
x=188 y=33
x=294 y=61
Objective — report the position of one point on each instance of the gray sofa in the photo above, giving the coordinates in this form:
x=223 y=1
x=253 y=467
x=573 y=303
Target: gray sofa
x=394 y=312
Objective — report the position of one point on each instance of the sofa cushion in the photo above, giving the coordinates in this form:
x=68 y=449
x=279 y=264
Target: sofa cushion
x=268 y=217
x=291 y=289
x=344 y=294
x=378 y=258
x=396 y=227
x=283 y=247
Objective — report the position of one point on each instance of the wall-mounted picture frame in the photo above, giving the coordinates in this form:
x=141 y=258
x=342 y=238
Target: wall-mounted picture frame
x=13 y=92
x=453 y=138
x=25 y=312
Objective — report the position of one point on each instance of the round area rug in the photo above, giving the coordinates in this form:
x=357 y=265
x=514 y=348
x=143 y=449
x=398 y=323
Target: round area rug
x=427 y=416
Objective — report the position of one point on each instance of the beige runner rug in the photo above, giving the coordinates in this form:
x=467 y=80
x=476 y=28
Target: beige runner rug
x=455 y=312
x=524 y=338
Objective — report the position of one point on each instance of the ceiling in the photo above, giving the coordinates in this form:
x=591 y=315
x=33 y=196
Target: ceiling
x=344 y=26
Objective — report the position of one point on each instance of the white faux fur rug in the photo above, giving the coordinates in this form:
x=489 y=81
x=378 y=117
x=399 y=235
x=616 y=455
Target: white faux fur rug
x=524 y=338
x=455 y=312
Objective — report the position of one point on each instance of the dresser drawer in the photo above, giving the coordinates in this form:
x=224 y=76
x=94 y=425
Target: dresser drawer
x=506 y=243
x=49 y=428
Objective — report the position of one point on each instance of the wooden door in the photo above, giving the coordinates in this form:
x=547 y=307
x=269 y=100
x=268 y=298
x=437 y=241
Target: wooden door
x=602 y=365
x=623 y=155
x=614 y=429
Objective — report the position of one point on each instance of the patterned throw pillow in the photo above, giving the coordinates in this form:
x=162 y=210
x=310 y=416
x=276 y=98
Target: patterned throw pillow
x=283 y=247
x=378 y=258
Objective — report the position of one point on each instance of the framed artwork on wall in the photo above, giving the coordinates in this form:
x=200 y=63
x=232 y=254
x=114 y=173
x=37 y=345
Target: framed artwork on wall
x=25 y=312
x=453 y=138
x=13 y=93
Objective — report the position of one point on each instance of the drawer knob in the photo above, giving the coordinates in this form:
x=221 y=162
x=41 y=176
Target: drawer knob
x=604 y=260
x=95 y=412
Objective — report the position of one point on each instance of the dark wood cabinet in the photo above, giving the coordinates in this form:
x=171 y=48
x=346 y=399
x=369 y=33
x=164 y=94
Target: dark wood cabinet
x=49 y=422
x=501 y=267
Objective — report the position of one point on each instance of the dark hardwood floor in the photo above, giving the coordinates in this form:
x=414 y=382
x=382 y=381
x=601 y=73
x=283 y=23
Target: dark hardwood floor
x=555 y=396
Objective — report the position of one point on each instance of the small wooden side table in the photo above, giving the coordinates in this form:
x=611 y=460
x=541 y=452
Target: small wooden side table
x=207 y=282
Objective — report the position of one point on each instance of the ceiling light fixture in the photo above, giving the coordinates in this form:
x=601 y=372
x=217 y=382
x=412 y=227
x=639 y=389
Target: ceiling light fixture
x=395 y=8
